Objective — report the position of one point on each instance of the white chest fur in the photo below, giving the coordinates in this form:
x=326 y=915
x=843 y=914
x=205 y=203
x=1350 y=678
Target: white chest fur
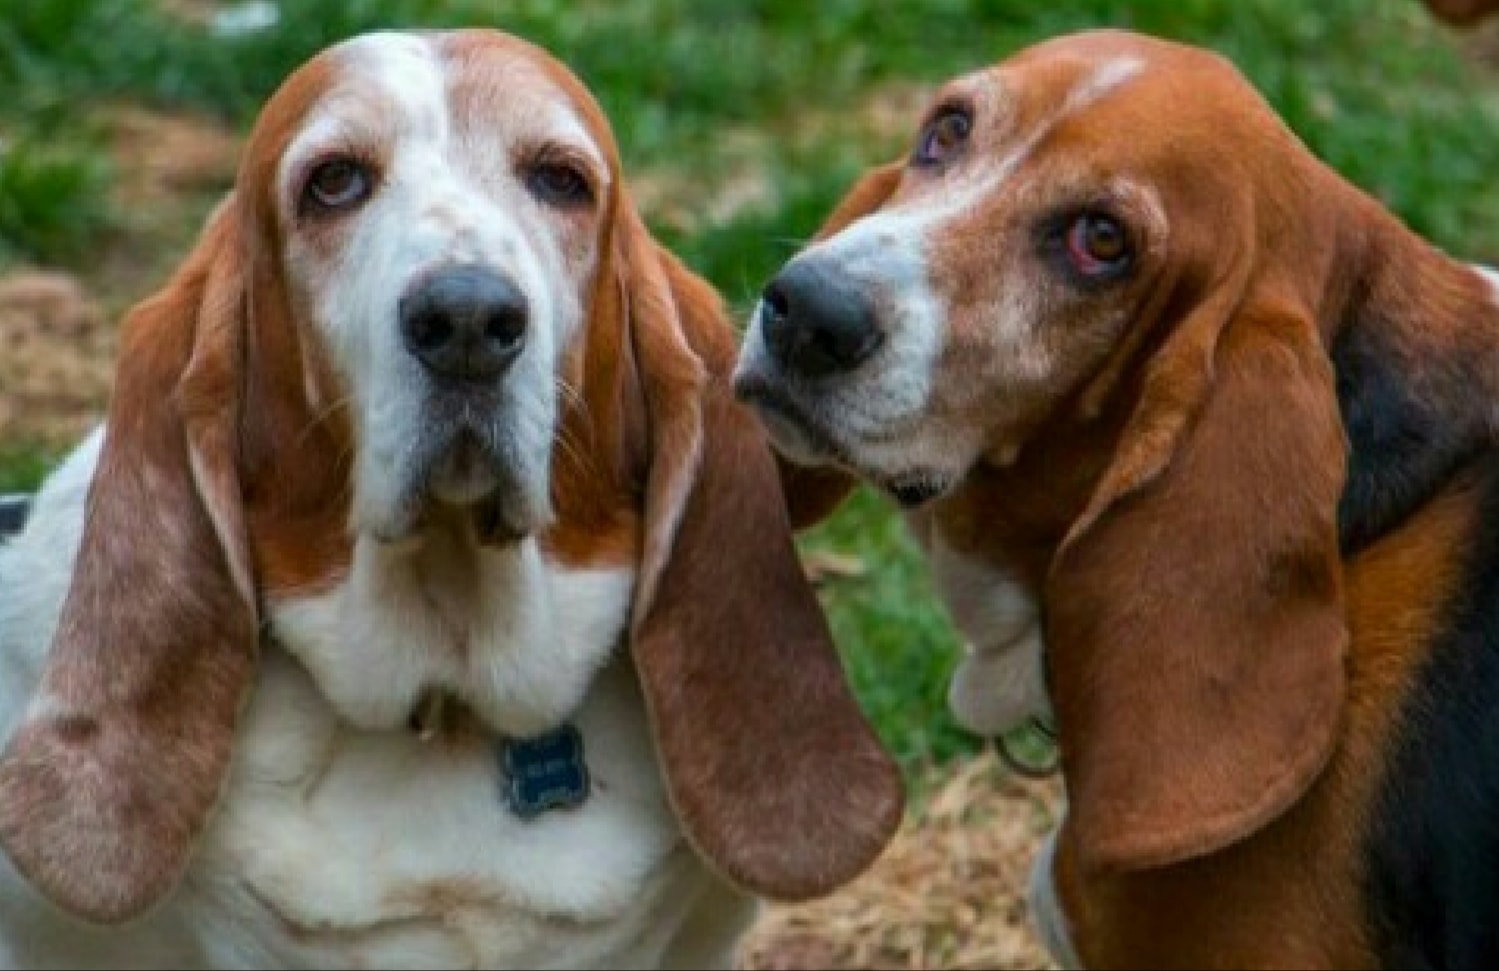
x=374 y=847
x=509 y=634
x=379 y=849
x=1000 y=681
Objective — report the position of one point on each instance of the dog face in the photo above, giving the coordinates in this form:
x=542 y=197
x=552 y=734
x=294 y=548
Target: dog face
x=440 y=215
x=958 y=299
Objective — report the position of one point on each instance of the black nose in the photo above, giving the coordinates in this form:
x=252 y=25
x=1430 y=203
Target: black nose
x=817 y=322
x=466 y=322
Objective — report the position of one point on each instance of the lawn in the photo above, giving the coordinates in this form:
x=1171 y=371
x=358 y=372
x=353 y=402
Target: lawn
x=741 y=123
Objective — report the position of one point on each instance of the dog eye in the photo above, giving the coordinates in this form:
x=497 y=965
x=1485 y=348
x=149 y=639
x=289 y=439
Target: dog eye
x=339 y=183
x=559 y=184
x=943 y=137
x=1098 y=244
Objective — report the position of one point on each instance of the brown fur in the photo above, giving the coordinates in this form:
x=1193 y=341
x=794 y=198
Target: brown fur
x=1225 y=679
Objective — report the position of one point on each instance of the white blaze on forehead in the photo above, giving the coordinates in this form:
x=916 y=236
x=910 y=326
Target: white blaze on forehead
x=388 y=84
x=447 y=140
x=1105 y=78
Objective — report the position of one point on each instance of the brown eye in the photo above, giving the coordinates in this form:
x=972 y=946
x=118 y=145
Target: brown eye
x=943 y=137
x=559 y=184
x=340 y=183
x=1098 y=244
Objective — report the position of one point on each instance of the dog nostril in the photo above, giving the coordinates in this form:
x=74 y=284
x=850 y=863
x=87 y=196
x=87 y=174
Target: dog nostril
x=429 y=331
x=506 y=325
x=845 y=345
x=776 y=304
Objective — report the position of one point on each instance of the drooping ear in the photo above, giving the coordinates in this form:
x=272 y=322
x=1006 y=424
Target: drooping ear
x=1194 y=612
x=813 y=493
x=110 y=778
x=778 y=779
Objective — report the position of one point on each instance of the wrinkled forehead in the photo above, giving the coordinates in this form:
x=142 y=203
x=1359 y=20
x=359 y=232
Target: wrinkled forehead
x=1130 y=94
x=476 y=91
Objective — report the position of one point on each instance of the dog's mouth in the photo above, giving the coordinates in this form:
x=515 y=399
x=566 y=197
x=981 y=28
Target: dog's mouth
x=793 y=427
x=802 y=436
x=919 y=487
x=465 y=473
x=470 y=473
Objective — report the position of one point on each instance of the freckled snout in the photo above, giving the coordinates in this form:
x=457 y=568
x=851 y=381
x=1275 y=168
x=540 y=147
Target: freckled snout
x=466 y=323
x=816 y=323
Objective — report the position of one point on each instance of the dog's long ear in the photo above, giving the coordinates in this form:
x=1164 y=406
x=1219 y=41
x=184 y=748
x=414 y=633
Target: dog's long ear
x=111 y=776
x=813 y=493
x=776 y=775
x=1195 y=625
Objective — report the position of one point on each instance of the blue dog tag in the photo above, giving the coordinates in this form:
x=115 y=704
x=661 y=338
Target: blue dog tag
x=13 y=511
x=544 y=772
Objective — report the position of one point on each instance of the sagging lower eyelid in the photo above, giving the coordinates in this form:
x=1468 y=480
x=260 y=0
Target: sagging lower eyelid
x=345 y=151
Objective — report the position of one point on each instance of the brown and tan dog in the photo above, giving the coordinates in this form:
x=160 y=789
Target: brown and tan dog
x=1167 y=395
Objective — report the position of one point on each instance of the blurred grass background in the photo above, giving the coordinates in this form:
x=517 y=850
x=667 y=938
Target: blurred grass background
x=742 y=121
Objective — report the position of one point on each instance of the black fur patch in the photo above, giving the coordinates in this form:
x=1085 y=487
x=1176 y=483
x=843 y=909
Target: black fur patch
x=1433 y=850
x=1408 y=430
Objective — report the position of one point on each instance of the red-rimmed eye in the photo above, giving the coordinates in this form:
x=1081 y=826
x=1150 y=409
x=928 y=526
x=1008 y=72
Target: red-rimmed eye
x=1098 y=244
x=943 y=136
x=339 y=183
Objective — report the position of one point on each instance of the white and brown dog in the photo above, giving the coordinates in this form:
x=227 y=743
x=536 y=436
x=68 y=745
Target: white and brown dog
x=426 y=599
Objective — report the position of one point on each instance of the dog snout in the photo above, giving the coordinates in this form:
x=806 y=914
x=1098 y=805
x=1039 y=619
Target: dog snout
x=816 y=322
x=464 y=323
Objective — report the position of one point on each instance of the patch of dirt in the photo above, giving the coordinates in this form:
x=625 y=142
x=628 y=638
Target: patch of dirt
x=58 y=331
x=161 y=156
x=56 y=358
x=171 y=168
x=948 y=893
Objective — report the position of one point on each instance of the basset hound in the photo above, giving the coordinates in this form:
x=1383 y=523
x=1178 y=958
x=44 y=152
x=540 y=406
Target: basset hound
x=425 y=598
x=1202 y=443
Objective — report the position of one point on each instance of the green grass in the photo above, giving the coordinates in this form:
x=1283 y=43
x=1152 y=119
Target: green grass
x=1374 y=86
x=23 y=466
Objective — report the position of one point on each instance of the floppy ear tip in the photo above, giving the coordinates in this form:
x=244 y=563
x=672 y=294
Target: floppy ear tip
x=1206 y=815
x=101 y=859
x=822 y=834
